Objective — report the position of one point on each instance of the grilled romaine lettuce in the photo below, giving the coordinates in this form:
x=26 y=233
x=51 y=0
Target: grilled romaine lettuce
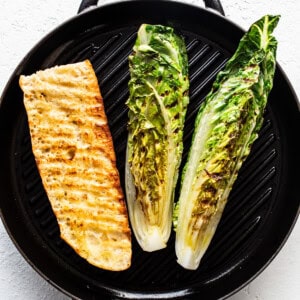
x=226 y=125
x=157 y=105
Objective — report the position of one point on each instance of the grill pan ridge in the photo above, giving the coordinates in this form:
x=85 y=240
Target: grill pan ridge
x=254 y=205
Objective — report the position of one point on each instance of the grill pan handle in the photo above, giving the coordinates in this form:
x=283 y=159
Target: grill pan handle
x=214 y=4
x=85 y=4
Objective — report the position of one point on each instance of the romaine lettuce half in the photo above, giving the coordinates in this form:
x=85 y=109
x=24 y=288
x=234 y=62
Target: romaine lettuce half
x=158 y=98
x=226 y=126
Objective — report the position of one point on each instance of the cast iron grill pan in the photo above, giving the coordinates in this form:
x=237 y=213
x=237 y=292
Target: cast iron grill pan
x=248 y=235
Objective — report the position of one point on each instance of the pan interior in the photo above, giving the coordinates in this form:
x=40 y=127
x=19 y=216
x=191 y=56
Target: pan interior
x=249 y=201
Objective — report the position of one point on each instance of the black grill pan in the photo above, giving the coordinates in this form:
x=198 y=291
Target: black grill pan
x=264 y=202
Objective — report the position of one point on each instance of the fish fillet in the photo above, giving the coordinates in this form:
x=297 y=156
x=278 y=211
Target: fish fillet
x=73 y=149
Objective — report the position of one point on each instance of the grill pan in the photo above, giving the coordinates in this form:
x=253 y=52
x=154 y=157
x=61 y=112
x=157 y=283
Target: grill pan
x=263 y=205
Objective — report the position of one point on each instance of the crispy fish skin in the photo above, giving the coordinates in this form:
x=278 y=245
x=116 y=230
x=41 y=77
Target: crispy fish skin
x=74 y=153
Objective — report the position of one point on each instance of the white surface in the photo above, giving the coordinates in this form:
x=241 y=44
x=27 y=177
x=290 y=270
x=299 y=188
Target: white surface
x=24 y=22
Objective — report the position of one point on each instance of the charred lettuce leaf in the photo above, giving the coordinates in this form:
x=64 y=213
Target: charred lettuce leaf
x=226 y=126
x=158 y=98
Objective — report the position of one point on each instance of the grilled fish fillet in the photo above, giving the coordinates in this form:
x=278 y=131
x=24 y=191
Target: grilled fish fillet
x=74 y=153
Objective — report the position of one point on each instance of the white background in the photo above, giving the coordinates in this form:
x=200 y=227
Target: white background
x=25 y=22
